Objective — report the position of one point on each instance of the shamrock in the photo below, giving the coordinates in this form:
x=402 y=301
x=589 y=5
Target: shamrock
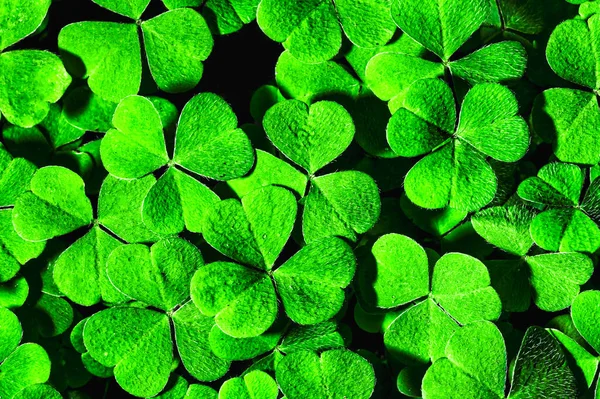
x=338 y=204
x=253 y=232
x=566 y=224
x=30 y=80
x=208 y=143
x=475 y=364
x=109 y=54
x=552 y=280
x=337 y=373
x=137 y=341
x=256 y=384
x=457 y=289
x=568 y=117
x=20 y=365
x=585 y=315
x=455 y=171
x=312 y=30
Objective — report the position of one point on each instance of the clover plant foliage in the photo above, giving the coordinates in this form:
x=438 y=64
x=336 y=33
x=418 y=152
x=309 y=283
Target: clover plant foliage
x=316 y=199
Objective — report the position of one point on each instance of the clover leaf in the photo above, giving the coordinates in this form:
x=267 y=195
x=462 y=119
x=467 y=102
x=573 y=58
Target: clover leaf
x=335 y=373
x=312 y=31
x=254 y=385
x=109 y=54
x=317 y=274
x=55 y=205
x=506 y=227
x=455 y=171
x=399 y=273
x=227 y=16
x=475 y=363
x=38 y=391
x=571 y=54
x=564 y=225
x=207 y=143
x=30 y=80
x=142 y=353
x=20 y=365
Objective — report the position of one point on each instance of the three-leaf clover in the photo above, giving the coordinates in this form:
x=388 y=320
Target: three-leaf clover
x=338 y=204
x=552 y=280
x=312 y=30
x=109 y=54
x=208 y=143
x=457 y=289
x=137 y=342
x=243 y=298
x=455 y=171
x=565 y=224
x=569 y=117
x=30 y=80
x=337 y=373
x=20 y=365
x=475 y=365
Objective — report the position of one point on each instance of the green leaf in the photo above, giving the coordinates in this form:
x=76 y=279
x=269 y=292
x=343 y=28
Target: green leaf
x=27 y=365
x=13 y=293
x=175 y=202
x=311 y=31
x=132 y=9
x=192 y=331
x=254 y=385
x=340 y=204
x=541 y=368
x=557 y=184
x=14 y=251
x=419 y=334
x=56 y=205
x=489 y=121
x=30 y=80
x=461 y=286
x=11 y=333
x=229 y=348
x=568 y=118
x=88 y=111
x=311 y=82
x=311 y=283
x=585 y=312
x=270 y=170
x=390 y=74
x=19 y=19
x=303 y=133
x=555 y=278
x=159 y=276
x=316 y=338
x=38 y=391
x=107 y=54
x=395 y=272
x=137 y=342
x=120 y=208
x=15 y=175
x=136 y=147
x=442 y=26
x=196 y=391
x=574 y=42
x=228 y=16
x=208 y=141
x=242 y=300
x=335 y=374
x=80 y=271
x=506 y=228
x=435 y=222
x=565 y=230
x=59 y=131
x=172 y=41
x=453 y=175
x=496 y=63
x=254 y=231
x=582 y=363
x=52 y=315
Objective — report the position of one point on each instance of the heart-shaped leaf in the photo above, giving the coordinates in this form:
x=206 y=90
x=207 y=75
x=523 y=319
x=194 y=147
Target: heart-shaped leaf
x=132 y=9
x=56 y=205
x=304 y=134
x=585 y=312
x=254 y=385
